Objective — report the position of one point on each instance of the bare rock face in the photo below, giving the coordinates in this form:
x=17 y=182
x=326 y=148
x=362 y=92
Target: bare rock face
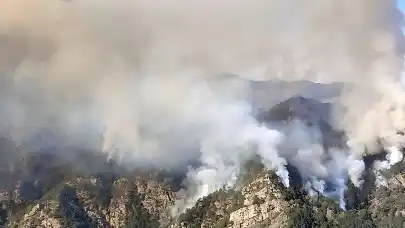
x=156 y=198
x=94 y=209
x=88 y=202
x=143 y=200
x=387 y=206
x=117 y=209
x=257 y=202
x=42 y=215
x=263 y=205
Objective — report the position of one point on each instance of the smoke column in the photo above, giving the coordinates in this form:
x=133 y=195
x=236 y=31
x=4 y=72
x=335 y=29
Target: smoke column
x=134 y=79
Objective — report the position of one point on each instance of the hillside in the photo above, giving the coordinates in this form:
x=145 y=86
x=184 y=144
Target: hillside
x=46 y=189
x=106 y=201
x=66 y=187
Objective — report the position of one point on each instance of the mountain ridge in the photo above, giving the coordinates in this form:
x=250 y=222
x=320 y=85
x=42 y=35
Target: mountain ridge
x=49 y=189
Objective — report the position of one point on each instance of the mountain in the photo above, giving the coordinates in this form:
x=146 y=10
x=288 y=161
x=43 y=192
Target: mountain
x=46 y=192
x=262 y=201
x=266 y=94
x=48 y=189
x=307 y=110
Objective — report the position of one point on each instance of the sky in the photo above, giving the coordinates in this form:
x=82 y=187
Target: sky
x=401 y=4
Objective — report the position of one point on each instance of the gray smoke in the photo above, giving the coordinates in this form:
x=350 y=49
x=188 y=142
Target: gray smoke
x=135 y=79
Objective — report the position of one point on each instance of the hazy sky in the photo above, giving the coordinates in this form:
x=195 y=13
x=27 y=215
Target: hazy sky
x=401 y=4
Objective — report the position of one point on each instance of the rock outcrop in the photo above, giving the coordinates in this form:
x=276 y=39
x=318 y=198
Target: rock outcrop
x=263 y=205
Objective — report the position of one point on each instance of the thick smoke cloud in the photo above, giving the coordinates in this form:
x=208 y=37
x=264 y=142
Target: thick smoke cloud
x=135 y=79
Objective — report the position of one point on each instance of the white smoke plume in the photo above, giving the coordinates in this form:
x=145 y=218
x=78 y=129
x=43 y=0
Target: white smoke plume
x=135 y=79
x=393 y=156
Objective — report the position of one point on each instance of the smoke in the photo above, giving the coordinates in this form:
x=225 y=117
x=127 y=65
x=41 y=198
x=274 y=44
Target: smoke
x=394 y=156
x=137 y=80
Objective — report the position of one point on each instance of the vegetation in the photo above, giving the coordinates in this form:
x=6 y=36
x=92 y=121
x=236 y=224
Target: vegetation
x=213 y=210
x=72 y=209
x=325 y=213
x=368 y=207
x=138 y=216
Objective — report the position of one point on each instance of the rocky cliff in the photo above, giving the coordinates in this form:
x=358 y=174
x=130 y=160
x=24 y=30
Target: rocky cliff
x=144 y=200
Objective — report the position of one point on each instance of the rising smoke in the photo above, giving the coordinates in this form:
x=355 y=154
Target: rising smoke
x=136 y=80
